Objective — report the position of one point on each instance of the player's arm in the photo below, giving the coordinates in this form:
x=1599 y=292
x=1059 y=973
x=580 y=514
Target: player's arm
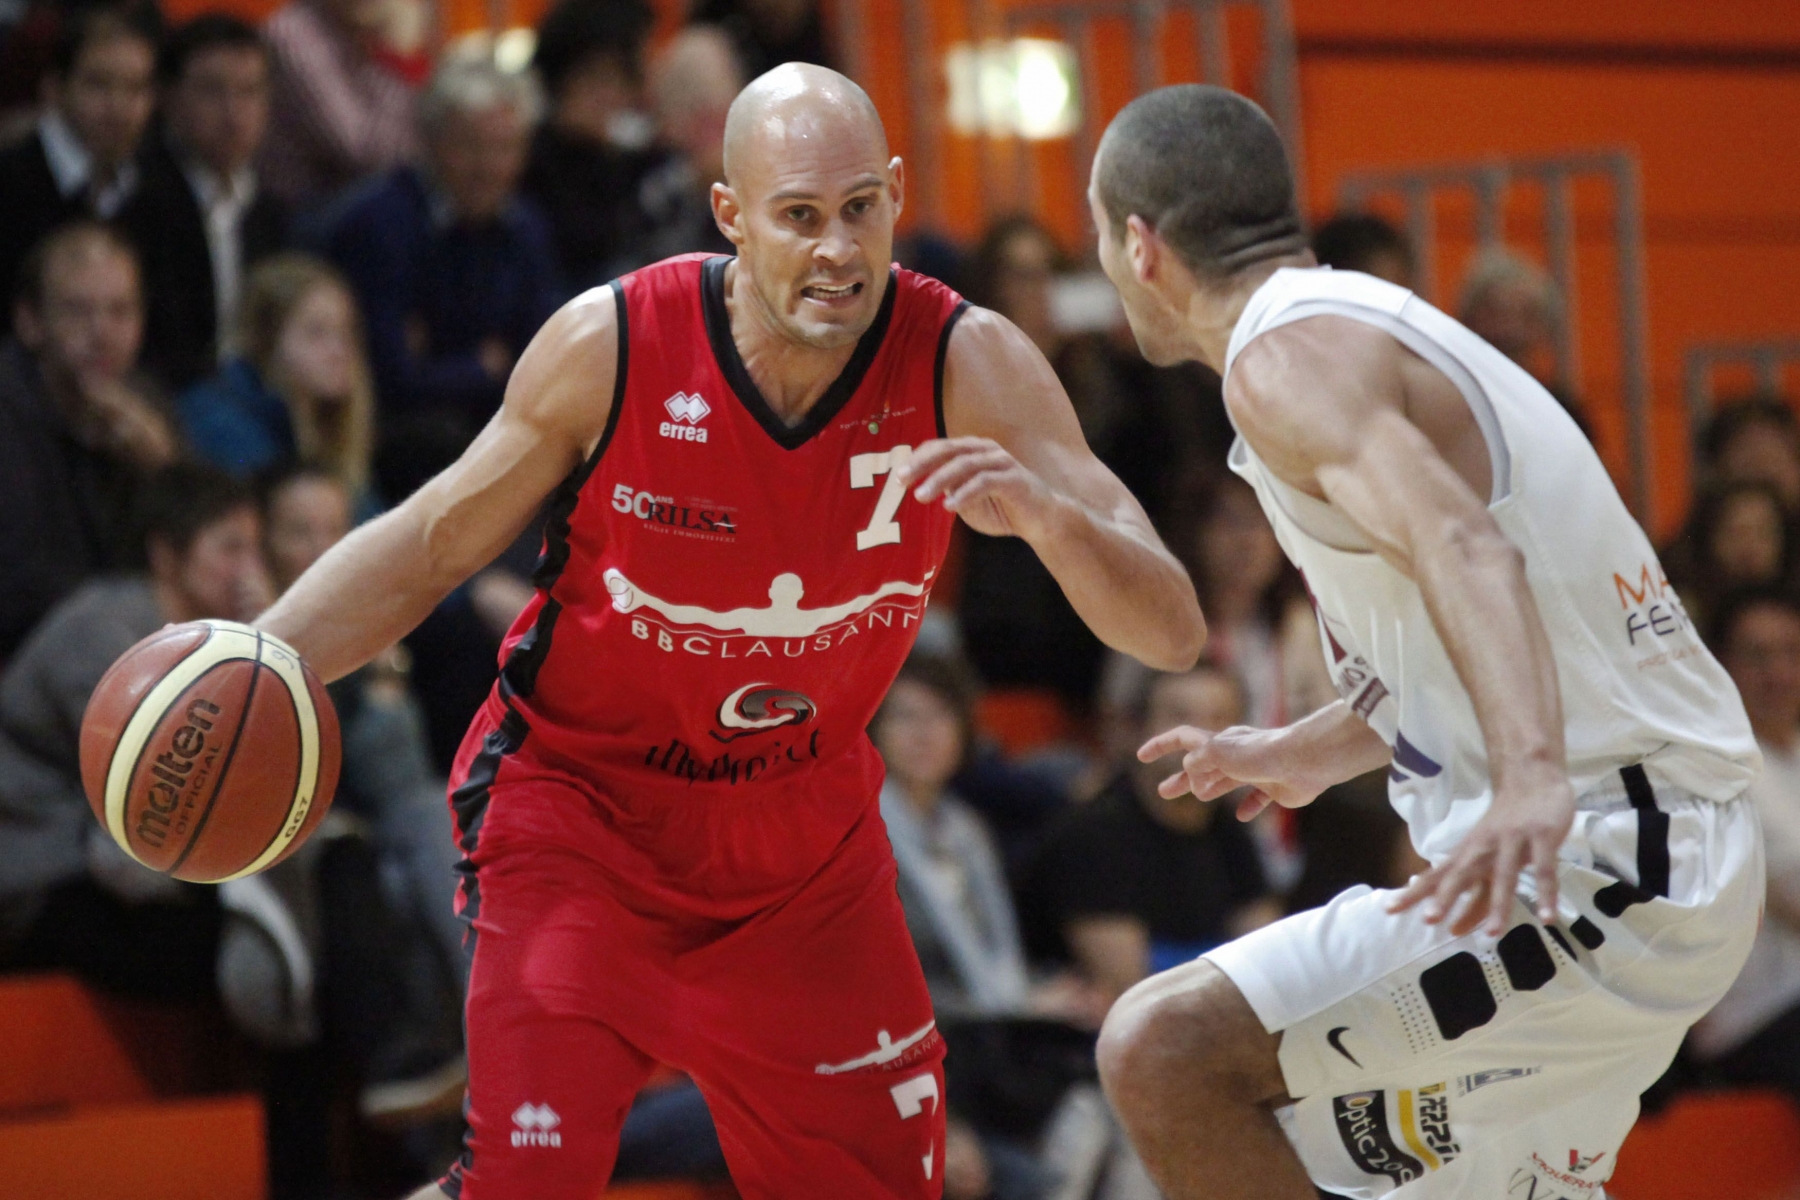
x=370 y=589
x=1015 y=463
x=1323 y=402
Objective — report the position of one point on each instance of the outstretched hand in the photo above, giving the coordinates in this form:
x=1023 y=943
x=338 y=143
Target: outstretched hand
x=1524 y=826
x=980 y=480
x=1216 y=764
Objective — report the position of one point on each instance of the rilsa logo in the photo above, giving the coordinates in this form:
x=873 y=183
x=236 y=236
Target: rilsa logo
x=536 y=1125
x=686 y=410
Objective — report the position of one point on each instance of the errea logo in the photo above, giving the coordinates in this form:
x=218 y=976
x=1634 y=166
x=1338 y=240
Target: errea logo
x=536 y=1125
x=686 y=410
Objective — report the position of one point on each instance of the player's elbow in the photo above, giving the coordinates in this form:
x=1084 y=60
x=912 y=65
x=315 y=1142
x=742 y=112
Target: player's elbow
x=1180 y=638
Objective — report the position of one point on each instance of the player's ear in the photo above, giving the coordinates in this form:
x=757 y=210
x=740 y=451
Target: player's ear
x=1143 y=249
x=897 y=184
x=728 y=214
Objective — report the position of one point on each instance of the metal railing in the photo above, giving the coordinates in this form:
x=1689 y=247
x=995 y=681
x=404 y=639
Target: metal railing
x=1491 y=182
x=1768 y=360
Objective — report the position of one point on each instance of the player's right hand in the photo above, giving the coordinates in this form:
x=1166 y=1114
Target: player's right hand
x=1216 y=764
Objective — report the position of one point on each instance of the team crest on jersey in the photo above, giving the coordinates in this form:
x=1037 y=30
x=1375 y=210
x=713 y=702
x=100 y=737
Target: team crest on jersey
x=757 y=707
x=686 y=410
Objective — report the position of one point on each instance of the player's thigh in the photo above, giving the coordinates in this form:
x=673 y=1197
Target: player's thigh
x=822 y=1063
x=551 y=1074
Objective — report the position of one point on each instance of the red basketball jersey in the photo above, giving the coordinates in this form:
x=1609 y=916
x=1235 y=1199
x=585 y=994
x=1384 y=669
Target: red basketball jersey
x=724 y=599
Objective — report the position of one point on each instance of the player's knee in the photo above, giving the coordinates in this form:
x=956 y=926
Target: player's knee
x=1178 y=1029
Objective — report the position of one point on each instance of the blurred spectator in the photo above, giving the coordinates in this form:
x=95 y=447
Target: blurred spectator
x=69 y=897
x=454 y=271
x=76 y=436
x=1752 y=1037
x=1020 y=629
x=343 y=114
x=81 y=161
x=1755 y=437
x=1737 y=535
x=769 y=32
x=202 y=217
x=1132 y=883
x=1512 y=304
x=1364 y=242
x=300 y=392
x=692 y=84
x=591 y=156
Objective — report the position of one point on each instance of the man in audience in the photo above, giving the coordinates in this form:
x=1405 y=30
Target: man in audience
x=692 y=83
x=202 y=218
x=453 y=270
x=1512 y=304
x=81 y=159
x=1752 y=1036
x=592 y=154
x=1133 y=883
x=1364 y=242
x=69 y=897
x=76 y=436
x=342 y=113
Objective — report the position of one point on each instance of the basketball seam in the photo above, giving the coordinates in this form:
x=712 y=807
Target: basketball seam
x=256 y=670
x=307 y=726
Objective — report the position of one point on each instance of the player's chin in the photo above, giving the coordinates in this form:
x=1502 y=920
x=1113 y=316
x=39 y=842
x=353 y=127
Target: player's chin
x=831 y=329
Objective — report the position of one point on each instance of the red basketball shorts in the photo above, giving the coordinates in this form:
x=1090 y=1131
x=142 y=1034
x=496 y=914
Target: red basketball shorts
x=807 y=1026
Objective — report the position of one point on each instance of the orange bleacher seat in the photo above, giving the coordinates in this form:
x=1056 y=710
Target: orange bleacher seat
x=166 y=1150
x=60 y=1051
x=1744 y=1145
x=1024 y=719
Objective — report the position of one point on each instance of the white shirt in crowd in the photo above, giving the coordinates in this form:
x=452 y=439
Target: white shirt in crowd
x=1769 y=984
x=72 y=167
x=223 y=203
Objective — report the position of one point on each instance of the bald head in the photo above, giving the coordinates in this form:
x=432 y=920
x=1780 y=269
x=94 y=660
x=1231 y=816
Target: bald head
x=798 y=101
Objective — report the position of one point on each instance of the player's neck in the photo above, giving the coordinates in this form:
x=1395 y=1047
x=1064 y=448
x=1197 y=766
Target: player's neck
x=791 y=375
x=1214 y=308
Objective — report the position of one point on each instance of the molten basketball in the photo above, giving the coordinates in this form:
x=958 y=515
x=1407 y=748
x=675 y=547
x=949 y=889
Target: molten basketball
x=209 y=751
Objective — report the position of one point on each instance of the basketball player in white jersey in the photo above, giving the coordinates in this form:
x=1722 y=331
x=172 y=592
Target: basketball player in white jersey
x=1566 y=753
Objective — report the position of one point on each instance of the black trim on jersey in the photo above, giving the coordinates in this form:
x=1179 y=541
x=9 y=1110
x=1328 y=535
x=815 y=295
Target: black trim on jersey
x=731 y=364
x=1652 y=849
x=468 y=806
x=520 y=672
x=937 y=371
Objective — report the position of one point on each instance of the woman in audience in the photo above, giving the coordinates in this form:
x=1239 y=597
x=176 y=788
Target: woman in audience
x=301 y=391
x=1737 y=535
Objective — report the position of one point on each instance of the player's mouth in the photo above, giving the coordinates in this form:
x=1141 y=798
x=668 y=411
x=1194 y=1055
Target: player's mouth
x=841 y=296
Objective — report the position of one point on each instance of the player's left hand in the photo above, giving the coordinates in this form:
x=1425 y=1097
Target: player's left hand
x=981 y=481
x=1474 y=886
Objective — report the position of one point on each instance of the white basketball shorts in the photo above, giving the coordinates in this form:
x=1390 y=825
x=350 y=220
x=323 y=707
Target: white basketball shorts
x=1426 y=1065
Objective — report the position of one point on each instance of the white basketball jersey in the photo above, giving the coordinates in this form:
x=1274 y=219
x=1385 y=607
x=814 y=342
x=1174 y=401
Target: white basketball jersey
x=1637 y=684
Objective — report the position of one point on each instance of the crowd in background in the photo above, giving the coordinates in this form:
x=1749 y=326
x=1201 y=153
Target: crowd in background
x=266 y=281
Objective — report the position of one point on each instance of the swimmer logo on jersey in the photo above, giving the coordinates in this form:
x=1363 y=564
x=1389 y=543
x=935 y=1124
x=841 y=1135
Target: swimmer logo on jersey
x=756 y=707
x=781 y=629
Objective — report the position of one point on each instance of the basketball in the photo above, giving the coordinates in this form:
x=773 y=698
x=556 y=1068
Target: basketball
x=209 y=751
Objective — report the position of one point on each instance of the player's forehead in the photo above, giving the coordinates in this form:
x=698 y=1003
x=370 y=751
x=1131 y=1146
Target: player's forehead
x=811 y=145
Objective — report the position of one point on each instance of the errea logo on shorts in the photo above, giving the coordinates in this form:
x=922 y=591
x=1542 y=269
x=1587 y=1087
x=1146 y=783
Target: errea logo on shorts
x=536 y=1125
x=686 y=410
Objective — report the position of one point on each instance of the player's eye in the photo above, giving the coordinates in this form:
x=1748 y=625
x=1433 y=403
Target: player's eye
x=799 y=215
x=858 y=207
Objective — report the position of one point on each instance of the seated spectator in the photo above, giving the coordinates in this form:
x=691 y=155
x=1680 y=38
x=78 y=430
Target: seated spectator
x=769 y=32
x=1517 y=309
x=69 y=897
x=1020 y=629
x=1754 y=437
x=77 y=436
x=590 y=158
x=1752 y=1036
x=1131 y=882
x=1364 y=242
x=453 y=270
x=81 y=160
x=1351 y=836
x=1737 y=536
x=692 y=84
x=342 y=112
x=202 y=218
x=300 y=392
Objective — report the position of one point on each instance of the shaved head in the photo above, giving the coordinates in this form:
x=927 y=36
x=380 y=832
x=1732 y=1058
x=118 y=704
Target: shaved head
x=810 y=198
x=798 y=101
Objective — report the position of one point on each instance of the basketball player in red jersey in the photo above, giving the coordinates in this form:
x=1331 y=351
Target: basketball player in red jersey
x=668 y=806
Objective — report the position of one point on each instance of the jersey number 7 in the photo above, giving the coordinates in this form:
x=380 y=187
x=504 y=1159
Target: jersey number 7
x=882 y=529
